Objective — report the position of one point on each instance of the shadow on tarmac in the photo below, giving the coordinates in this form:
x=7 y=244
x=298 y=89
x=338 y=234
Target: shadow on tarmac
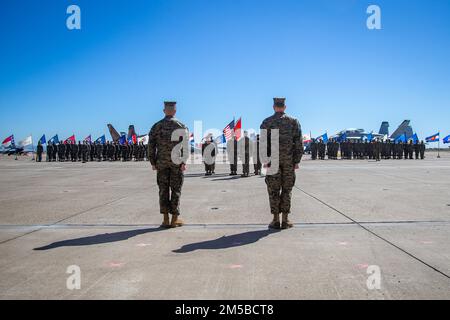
x=198 y=175
x=227 y=178
x=99 y=238
x=235 y=240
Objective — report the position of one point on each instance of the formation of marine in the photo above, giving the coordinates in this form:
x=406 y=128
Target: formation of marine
x=373 y=150
x=168 y=157
x=110 y=151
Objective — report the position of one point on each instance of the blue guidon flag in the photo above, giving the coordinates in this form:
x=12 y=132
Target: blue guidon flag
x=42 y=140
x=54 y=140
x=323 y=137
x=433 y=138
x=101 y=140
x=446 y=139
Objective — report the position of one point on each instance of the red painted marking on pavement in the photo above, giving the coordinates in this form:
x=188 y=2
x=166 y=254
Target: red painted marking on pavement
x=115 y=264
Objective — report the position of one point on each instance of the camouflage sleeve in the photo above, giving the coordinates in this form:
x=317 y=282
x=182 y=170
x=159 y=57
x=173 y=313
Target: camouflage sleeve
x=267 y=139
x=298 y=143
x=185 y=150
x=152 y=145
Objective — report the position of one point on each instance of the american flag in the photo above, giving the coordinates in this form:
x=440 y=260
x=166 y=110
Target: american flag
x=227 y=131
x=88 y=139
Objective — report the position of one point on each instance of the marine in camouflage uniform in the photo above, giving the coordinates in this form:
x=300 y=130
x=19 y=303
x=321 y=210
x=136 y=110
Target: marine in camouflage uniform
x=49 y=154
x=321 y=149
x=279 y=185
x=207 y=166
x=422 y=150
x=123 y=152
x=400 y=150
x=210 y=156
x=376 y=146
x=405 y=150
x=244 y=146
x=232 y=152
x=91 y=151
x=410 y=149
x=67 y=150
x=84 y=151
x=170 y=176
x=417 y=149
x=99 y=151
x=313 y=149
x=39 y=151
x=256 y=159
x=80 y=151
x=116 y=151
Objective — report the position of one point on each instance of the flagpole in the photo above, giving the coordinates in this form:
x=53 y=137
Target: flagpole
x=32 y=147
x=14 y=145
x=439 y=143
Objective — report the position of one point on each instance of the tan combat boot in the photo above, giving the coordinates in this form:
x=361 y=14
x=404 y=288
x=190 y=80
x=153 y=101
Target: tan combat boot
x=275 y=224
x=176 y=222
x=285 y=223
x=165 y=223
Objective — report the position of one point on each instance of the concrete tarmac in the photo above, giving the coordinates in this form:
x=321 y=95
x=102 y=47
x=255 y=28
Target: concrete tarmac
x=351 y=217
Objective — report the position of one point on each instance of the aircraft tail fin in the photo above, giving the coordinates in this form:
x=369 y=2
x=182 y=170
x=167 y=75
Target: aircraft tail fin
x=114 y=134
x=131 y=131
x=404 y=128
x=384 y=129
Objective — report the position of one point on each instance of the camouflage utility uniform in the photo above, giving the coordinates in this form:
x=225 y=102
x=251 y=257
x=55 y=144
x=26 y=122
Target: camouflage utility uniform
x=169 y=175
x=279 y=185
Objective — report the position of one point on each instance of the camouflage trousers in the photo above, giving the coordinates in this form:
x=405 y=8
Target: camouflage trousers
x=246 y=167
x=279 y=187
x=170 y=180
x=210 y=167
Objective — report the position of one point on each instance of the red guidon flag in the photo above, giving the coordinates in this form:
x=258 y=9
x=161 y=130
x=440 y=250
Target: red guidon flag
x=237 y=129
x=8 y=141
x=70 y=139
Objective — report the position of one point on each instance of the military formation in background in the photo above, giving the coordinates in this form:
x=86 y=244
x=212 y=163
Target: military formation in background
x=243 y=150
x=88 y=151
x=333 y=150
x=374 y=150
x=170 y=175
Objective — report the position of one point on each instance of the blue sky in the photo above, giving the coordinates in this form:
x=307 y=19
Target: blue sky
x=219 y=59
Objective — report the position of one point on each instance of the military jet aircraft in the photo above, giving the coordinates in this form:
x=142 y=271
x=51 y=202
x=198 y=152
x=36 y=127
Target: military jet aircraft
x=12 y=150
x=131 y=132
x=383 y=133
